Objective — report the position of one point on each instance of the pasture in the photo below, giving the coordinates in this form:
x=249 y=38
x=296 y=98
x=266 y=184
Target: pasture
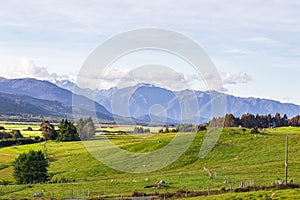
x=254 y=159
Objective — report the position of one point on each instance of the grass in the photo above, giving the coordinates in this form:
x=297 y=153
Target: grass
x=126 y=128
x=22 y=128
x=256 y=159
x=271 y=194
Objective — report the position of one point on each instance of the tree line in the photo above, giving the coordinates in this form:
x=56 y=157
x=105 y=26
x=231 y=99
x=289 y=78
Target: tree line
x=67 y=131
x=249 y=120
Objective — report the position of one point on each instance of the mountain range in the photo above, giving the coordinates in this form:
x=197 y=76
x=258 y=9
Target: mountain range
x=186 y=106
x=142 y=103
x=46 y=98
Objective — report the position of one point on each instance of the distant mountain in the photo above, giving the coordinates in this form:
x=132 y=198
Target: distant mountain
x=18 y=104
x=65 y=84
x=72 y=87
x=48 y=91
x=149 y=102
x=145 y=101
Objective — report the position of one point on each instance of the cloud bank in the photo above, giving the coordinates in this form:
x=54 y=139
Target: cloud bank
x=29 y=69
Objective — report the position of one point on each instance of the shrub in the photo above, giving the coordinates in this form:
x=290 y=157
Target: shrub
x=30 y=167
x=254 y=130
x=16 y=134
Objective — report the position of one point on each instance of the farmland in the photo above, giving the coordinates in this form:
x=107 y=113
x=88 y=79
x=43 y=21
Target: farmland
x=255 y=159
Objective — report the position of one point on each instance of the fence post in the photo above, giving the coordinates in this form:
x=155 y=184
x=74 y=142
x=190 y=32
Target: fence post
x=286 y=159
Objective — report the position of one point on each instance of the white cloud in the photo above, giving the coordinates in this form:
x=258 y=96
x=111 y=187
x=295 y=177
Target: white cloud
x=160 y=76
x=240 y=51
x=152 y=74
x=235 y=78
x=266 y=40
x=28 y=68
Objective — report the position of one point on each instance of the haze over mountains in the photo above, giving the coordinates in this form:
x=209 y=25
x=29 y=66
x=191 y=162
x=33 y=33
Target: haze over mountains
x=142 y=103
x=145 y=101
x=45 y=97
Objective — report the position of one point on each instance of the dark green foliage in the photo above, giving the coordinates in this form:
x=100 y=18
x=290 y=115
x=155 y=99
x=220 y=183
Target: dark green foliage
x=86 y=128
x=251 y=121
x=48 y=131
x=230 y=120
x=254 y=130
x=201 y=127
x=295 y=121
x=168 y=130
x=28 y=129
x=30 y=167
x=146 y=130
x=19 y=141
x=4 y=135
x=139 y=129
x=186 y=128
x=67 y=131
x=16 y=134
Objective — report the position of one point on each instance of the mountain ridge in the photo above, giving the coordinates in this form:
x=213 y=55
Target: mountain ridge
x=138 y=96
x=45 y=90
x=144 y=102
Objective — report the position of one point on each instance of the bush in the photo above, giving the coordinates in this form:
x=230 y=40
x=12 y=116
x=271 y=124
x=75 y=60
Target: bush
x=254 y=130
x=30 y=167
x=16 y=134
x=28 y=129
x=19 y=141
x=4 y=135
x=139 y=129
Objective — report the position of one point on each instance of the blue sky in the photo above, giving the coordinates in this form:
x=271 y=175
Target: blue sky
x=254 y=44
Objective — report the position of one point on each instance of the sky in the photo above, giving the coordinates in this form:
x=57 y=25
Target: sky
x=253 y=44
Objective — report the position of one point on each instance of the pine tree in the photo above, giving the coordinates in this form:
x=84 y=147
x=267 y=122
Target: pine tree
x=67 y=131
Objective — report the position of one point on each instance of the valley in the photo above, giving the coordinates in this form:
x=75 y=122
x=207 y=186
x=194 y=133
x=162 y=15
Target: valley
x=257 y=160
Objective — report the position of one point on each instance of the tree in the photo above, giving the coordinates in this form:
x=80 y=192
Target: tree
x=295 y=121
x=284 y=120
x=277 y=119
x=48 y=131
x=67 y=131
x=86 y=128
x=30 y=167
x=248 y=120
x=229 y=120
x=16 y=134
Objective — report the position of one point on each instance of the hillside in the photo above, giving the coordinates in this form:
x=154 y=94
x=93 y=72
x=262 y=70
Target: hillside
x=48 y=91
x=255 y=159
x=47 y=99
x=18 y=104
x=25 y=106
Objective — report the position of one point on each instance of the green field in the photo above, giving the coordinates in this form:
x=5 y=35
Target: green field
x=21 y=127
x=255 y=159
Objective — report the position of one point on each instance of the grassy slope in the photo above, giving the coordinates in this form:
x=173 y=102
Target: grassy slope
x=271 y=194
x=237 y=157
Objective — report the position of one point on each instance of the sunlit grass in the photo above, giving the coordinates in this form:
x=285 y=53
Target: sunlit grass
x=238 y=156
